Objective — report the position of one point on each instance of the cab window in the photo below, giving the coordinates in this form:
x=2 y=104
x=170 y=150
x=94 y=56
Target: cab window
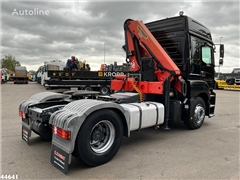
x=206 y=55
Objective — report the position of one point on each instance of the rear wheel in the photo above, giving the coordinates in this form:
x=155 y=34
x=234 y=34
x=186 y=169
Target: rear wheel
x=87 y=88
x=99 y=138
x=199 y=110
x=104 y=90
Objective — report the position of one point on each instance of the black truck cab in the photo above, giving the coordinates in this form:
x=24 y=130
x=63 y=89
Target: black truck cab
x=189 y=44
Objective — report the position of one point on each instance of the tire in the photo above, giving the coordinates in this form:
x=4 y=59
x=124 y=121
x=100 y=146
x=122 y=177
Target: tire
x=216 y=85
x=104 y=90
x=99 y=138
x=46 y=132
x=87 y=88
x=230 y=81
x=199 y=109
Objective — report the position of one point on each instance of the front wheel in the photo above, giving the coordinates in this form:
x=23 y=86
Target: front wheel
x=198 y=111
x=99 y=138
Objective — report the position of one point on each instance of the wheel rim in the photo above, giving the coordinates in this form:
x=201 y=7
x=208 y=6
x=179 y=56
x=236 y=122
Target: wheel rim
x=199 y=113
x=104 y=90
x=88 y=88
x=102 y=136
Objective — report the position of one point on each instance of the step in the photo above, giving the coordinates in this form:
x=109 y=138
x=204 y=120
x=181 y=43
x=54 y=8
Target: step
x=212 y=95
x=211 y=115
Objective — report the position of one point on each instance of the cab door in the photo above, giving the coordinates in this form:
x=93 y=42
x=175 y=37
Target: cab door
x=207 y=64
x=202 y=61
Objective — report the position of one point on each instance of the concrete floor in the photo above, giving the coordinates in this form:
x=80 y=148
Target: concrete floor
x=211 y=152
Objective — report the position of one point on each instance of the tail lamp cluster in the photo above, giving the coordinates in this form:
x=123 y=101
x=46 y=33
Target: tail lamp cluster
x=55 y=130
x=22 y=114
x=61 y=132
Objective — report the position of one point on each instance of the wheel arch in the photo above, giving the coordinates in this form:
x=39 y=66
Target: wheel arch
x=124 y=122
x=73 y=121
x=205 y=98
x=200 y=88
x=116 y=110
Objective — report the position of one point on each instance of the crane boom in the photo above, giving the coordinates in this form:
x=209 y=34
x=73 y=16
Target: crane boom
x=144 y=52
x=136 y=30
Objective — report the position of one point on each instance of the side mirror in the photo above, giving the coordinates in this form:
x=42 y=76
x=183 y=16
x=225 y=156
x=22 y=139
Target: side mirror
x=221 y=54
x=221 y=51
x=220 y=61
x=214 y=48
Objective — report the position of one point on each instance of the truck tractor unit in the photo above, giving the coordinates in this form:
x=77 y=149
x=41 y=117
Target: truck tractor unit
x=171 y=79
x=20 y=76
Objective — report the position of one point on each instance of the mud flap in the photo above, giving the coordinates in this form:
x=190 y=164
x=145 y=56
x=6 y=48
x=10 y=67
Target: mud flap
x=59 y=159
x=26 y=134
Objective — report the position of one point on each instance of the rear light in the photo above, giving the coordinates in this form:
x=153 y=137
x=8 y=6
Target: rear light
x=22 y=114
x=61 y=132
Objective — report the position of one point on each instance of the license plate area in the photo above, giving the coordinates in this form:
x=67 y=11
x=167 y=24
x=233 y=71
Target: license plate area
x=26 y=134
